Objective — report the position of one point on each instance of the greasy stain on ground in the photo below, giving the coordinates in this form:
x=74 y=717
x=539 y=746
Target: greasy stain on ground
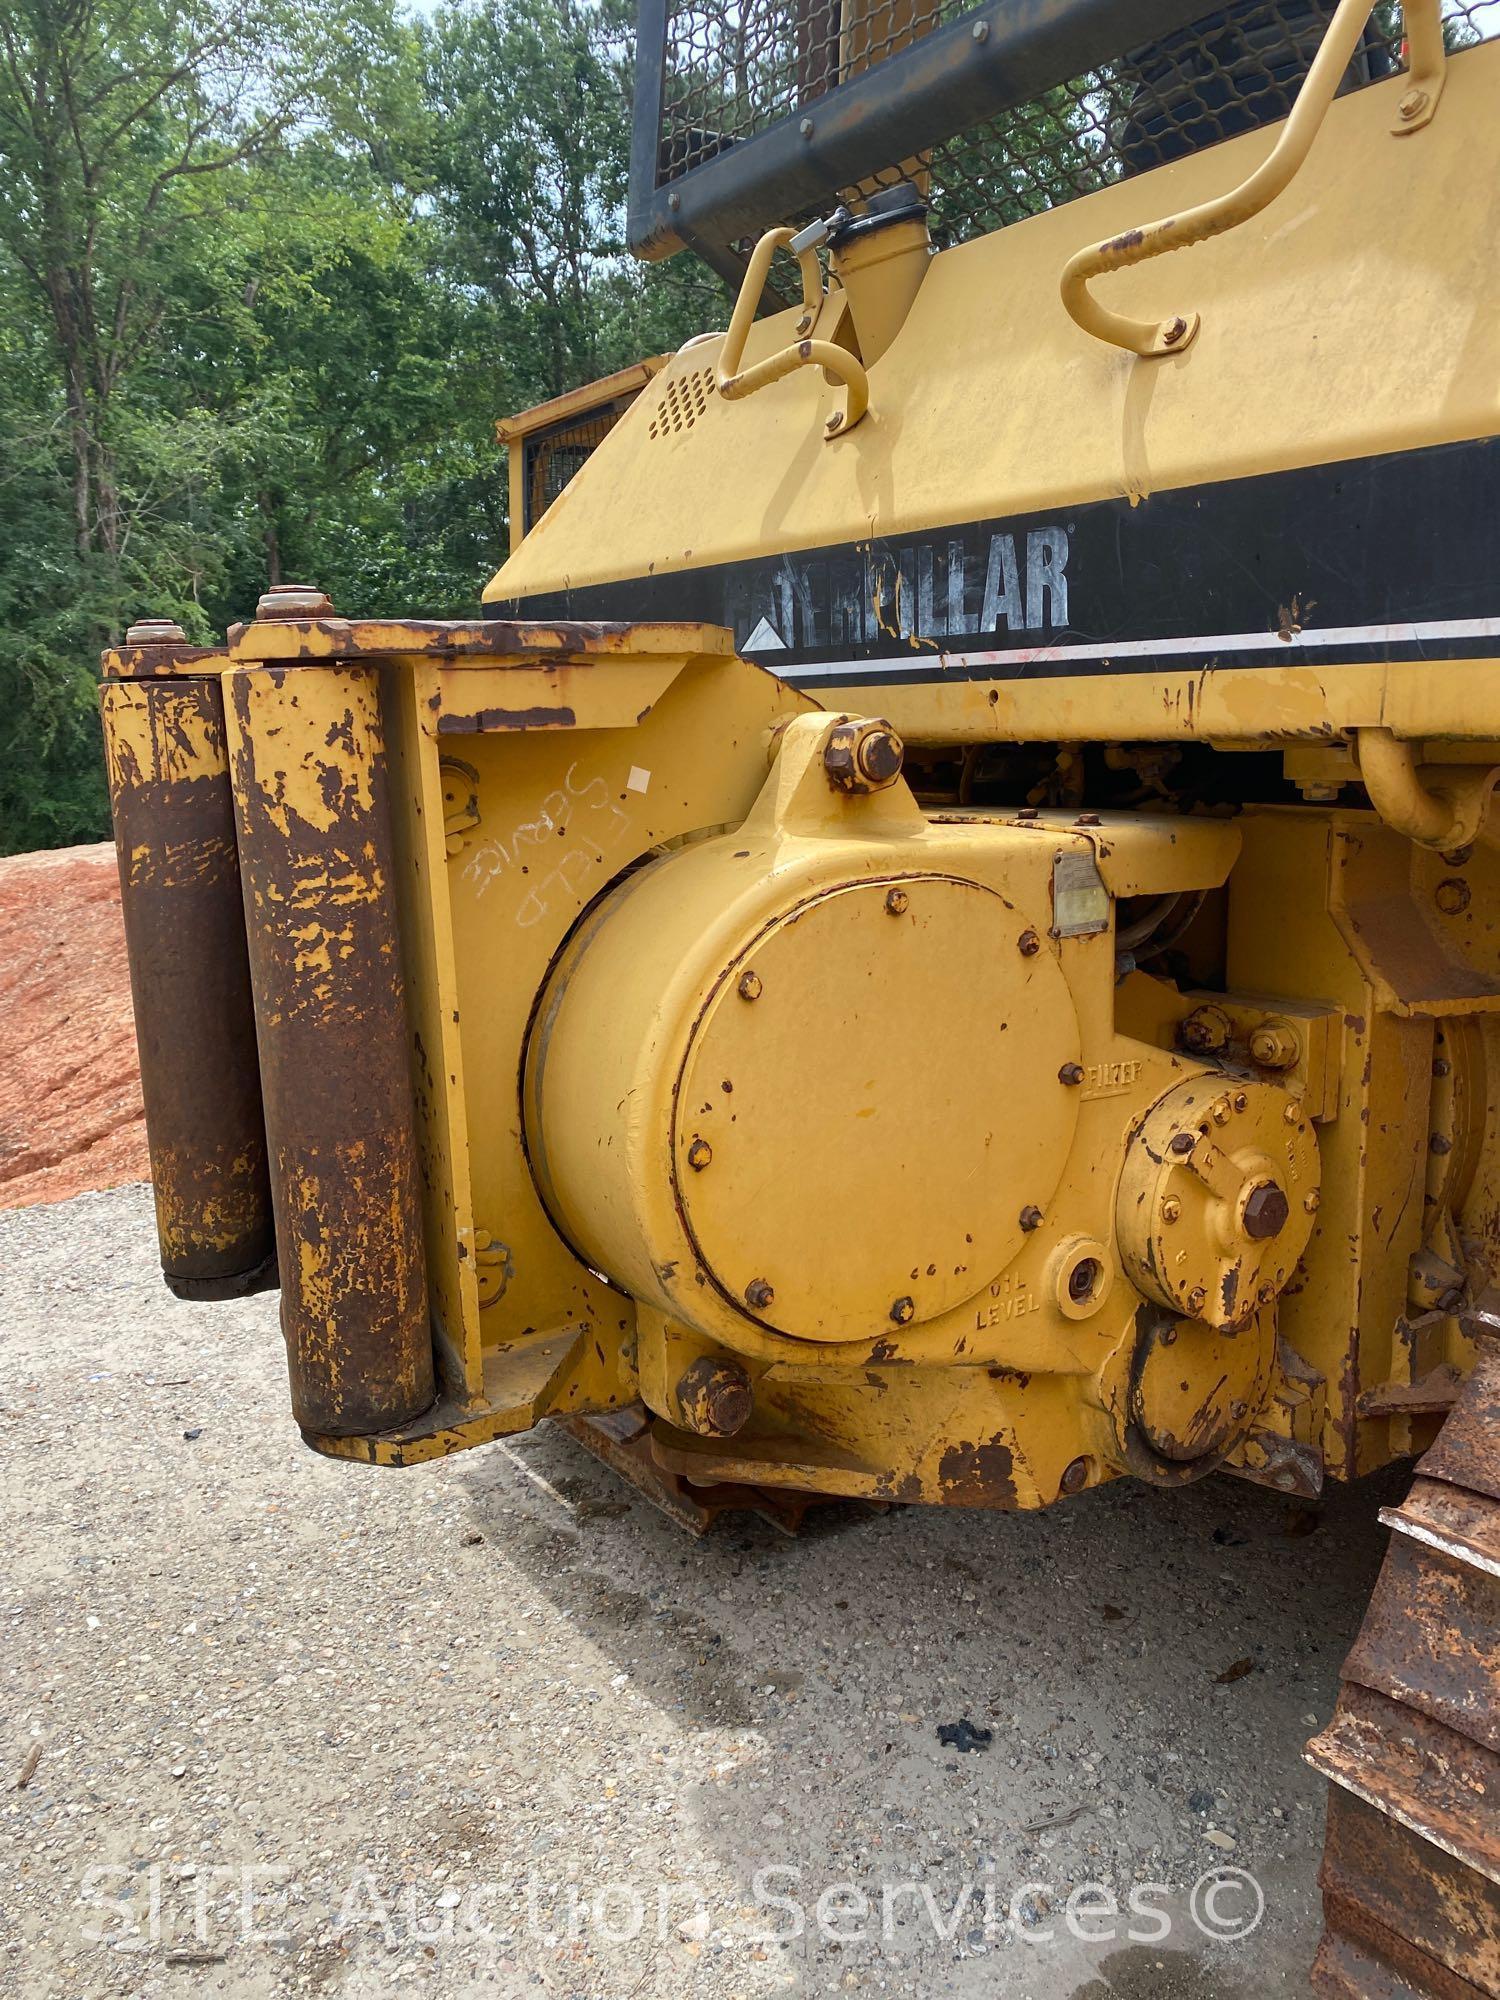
x=1142 y=1972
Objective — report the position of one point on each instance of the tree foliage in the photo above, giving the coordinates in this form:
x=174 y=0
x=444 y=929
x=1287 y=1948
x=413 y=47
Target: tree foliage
x=268 y=274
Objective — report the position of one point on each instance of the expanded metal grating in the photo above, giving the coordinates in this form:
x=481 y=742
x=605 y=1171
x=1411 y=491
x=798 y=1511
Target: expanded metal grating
x=554 y=455
x=734 y=70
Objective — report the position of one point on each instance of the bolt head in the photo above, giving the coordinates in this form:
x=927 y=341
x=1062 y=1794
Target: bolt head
x=699 y=1155
x=1265 y=1212
x=980 y=31
x=749 y=987
x=1031 y=1217
x=759 y=1294
x=715 y=1397
x=1167 y=1337
x=1171 y=1209
x=1413 y=104
x=294 y=600
x=1076 y=1477
x=155 y=632
x=806 y=128
x=896 y=901
x=674 y=200
x=861 y=757
x=1028 y=944
x=1070 y=1072
x=1452 y=896
x=1239 y=1411
x=1310 y=1201
x=1173 y=331
x=902 y=1311
x=1197 y=1298
x=1181 y=1143
x=1291 y=1115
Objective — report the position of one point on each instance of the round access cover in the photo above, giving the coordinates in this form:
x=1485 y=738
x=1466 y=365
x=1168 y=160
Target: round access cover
x=867 y=1104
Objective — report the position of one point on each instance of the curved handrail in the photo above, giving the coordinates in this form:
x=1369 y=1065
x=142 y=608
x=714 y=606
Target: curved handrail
x=1227 y=211
x=732 y=384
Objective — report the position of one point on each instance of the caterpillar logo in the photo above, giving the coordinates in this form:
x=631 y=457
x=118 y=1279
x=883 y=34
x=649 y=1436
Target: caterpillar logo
x=959 y=586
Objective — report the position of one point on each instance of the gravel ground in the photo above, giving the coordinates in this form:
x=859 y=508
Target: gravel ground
x=494 y=1725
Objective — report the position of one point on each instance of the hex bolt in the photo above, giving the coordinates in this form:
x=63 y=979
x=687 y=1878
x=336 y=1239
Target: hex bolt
x=758 y=1294
x=1291 y=1115
x=902 y=1311
x=674 y=200
x=1310 y=1201
x=980 y=31
x=1439 y=1144
x=699 y=1155
x=1181 y=1143
x=1171 y=1208
x=715 y=1397
x=1196 y=1299
x=1167 y=1337
x=294 y=600
x=1239 y=1411
x=155 y=632
x=1205 y=1031
x=1266 y=1211
x=1028 y=812
x=896 y=901
x=1070 y=1073
x=1173 y=331
x=1031 y=1217
x=1274 y=1045
x=1413 y=104
x=806 y=128
x=1028 y=944
x=1241 y=1101
x=1087 y=819
x=1452 y=896
x=749 y=987
x=1442 y=1067
x=862 y=757
x=1076 y=1476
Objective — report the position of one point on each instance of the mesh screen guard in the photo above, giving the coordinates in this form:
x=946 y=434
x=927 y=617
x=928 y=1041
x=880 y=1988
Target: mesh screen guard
x=750 y=113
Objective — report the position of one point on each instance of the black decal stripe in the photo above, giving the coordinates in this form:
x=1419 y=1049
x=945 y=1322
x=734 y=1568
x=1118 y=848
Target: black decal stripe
x=1388 y=558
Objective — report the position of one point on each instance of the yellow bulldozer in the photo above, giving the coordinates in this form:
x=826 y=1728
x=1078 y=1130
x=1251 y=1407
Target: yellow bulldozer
x=937 y=937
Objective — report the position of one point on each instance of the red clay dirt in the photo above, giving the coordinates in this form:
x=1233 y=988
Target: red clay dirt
x=70 y=1084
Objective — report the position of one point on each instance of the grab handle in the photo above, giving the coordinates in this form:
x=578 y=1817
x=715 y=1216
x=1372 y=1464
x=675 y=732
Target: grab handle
x=1227 y=211
x=732 y=384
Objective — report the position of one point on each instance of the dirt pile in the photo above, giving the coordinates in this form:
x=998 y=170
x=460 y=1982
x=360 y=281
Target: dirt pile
x=70 y=1086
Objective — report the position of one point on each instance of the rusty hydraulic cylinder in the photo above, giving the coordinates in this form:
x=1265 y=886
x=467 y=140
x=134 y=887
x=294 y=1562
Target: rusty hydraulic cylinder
x=189 y=978
x=313 y=810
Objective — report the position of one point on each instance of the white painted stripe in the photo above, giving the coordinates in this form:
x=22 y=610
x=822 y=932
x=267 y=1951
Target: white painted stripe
x=1125 y=649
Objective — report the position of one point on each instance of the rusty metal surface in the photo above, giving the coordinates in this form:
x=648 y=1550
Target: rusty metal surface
x=312 y=796
x=1411 y=1871
x=457 y=640
x=137 y=660
x=621 y=1439
x=190 y=983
